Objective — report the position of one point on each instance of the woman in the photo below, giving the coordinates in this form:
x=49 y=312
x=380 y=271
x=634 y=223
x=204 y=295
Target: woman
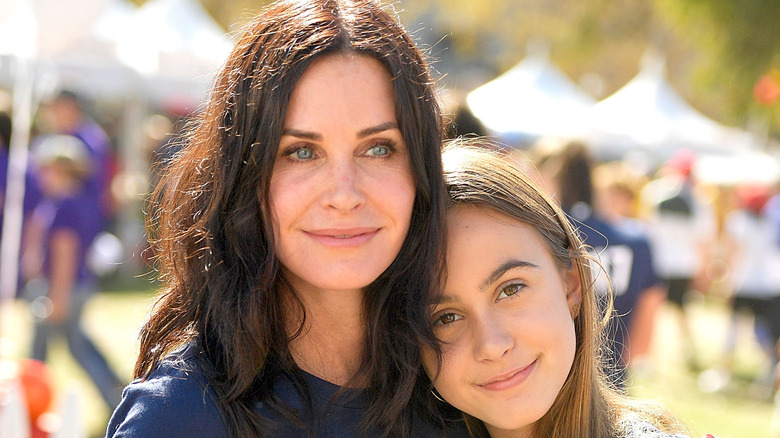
x=518 y=317
x=299 y=238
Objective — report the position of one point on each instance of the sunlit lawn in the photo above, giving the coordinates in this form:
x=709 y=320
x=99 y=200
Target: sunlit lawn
x=738 y=411
x=112 y=319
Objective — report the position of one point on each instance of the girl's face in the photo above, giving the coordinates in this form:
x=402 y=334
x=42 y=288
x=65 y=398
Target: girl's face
x=505 y=319
x=342 y=187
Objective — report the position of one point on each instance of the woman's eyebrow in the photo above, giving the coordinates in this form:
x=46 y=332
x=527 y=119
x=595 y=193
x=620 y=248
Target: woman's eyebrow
x=501 y=270
x=378 y=128
x=301 y=134
x=386 y=126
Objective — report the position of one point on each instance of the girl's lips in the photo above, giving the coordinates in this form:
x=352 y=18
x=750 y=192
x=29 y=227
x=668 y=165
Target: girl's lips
x=508 y=380
x=343 y=237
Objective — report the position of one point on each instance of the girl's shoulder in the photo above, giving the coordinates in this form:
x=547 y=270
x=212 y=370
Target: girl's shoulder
x=175 y=400
x=644 y=429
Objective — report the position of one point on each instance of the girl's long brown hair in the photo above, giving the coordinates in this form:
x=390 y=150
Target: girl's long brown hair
x=209 y=221
x=588 y=406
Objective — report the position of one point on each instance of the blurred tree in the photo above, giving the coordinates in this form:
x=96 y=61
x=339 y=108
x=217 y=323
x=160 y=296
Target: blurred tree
x=743 y=44
x=716 y=50
x=229 y=14
x=234 y=13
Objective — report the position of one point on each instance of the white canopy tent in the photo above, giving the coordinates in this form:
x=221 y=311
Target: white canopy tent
x=91 y=65
x=165 y=51
x=647 y=114
x=532 y=99
x=30 y=31
x=177 y=46
x=741 y=167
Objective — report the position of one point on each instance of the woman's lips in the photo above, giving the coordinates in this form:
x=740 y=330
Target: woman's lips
x=343 y=237
x=508 y=380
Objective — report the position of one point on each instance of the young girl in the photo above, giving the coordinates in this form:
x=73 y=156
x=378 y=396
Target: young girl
x=518 y=318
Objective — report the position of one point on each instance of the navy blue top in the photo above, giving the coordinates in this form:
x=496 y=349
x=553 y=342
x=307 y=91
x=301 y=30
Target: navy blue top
x=178 y=401
x=628 y=261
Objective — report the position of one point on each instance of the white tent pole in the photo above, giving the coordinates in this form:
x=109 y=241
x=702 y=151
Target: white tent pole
x=13 y=214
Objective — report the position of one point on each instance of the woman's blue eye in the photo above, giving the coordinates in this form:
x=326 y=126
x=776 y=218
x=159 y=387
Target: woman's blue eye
x=304 y=154
x=378 y=150
x=510 y=290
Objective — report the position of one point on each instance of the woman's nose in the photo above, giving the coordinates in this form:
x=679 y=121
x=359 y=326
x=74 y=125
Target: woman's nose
x=344 y=190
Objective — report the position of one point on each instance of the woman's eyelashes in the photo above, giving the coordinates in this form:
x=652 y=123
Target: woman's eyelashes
x=302 y=153
x=299 y=152
x=381 y=148
x=376 y=149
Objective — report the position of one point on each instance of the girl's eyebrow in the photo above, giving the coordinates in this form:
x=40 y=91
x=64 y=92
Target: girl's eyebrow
x=503 y=268
x=495 y=275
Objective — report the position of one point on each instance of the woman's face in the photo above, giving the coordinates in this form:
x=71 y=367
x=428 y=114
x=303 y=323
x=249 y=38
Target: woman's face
x=342 y=187
x=505 y=319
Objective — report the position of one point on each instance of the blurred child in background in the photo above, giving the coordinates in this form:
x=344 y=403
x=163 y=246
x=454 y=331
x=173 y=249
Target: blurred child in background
x=755 y=271
x=566 y=170
x=59 y=281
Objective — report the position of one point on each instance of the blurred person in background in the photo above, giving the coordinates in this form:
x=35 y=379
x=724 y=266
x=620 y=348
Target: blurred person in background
x=566 y=171
x=59 y=283
x=65 y=114
x=32 y=193
x=617 y=196
x=755 y=272
x=682 y=229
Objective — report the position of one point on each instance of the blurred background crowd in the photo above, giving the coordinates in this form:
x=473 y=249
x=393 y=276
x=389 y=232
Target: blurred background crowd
x=655 y=124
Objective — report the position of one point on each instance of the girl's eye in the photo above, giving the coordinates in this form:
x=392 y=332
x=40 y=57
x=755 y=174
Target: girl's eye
x=446 y=318
x=510 y=290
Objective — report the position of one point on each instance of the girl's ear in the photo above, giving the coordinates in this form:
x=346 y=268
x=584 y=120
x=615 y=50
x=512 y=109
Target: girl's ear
x=573 y=285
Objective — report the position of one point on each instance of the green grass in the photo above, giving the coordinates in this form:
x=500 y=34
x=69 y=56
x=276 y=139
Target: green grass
x=737 y=411
x=112 y=319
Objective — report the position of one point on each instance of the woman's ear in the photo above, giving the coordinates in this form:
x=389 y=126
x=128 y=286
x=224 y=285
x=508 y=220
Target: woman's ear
x=573 y=285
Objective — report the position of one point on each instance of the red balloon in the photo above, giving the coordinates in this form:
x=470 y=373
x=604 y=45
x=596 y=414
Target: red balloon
x=766 y=90
x=37 y=385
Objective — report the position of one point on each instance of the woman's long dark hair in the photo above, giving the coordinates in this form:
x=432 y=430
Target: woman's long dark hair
x=209 y=220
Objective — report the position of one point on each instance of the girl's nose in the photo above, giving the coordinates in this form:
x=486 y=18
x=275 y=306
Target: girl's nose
x=492 y=341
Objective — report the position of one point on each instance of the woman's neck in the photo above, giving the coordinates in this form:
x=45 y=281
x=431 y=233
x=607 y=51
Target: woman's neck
x=330 y=345
x=525 y=432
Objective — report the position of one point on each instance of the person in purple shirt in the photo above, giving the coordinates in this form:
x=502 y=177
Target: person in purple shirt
x=65 y=114
x=32 y=194
x=60 y=283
